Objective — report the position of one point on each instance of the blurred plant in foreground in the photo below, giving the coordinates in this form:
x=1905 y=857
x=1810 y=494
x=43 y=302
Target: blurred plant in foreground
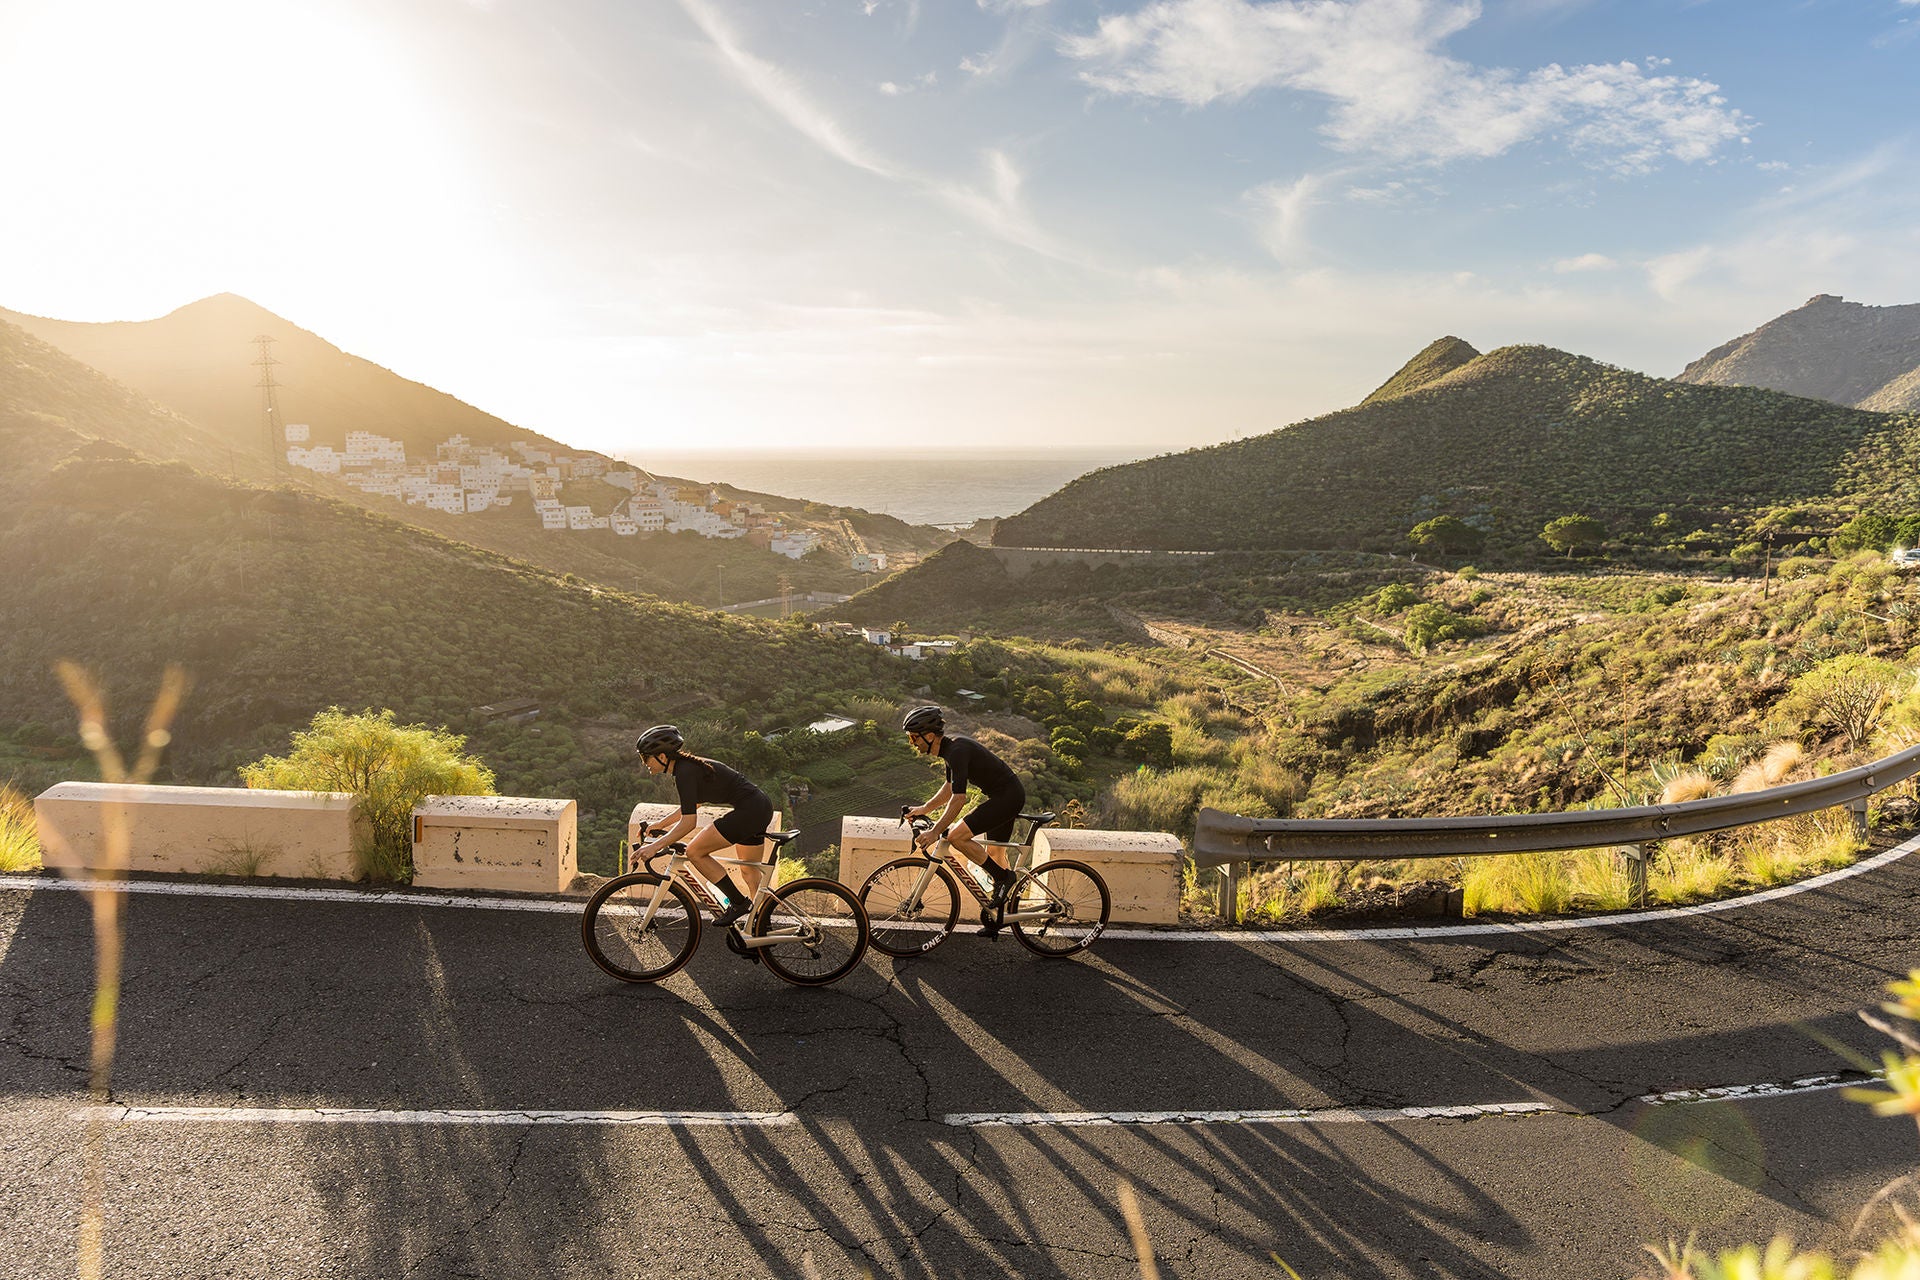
x=1897 y=1255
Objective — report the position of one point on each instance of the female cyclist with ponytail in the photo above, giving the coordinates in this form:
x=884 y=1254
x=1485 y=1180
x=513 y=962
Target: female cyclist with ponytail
x=702 y=781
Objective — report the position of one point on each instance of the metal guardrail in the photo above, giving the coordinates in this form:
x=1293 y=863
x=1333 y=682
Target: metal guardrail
x=1221 y=839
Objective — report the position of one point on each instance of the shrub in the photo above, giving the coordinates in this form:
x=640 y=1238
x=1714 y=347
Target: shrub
x=1849 y=693
x=1431 y=624
x=1151 y=743
x=1393 y=597
x=390 y=767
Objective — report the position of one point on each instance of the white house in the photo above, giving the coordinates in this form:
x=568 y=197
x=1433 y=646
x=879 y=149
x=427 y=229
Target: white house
x=869 y=562
x=553 y=517
x=364 y=448
x=320 y=458
x=579 y=518
x=298 y=433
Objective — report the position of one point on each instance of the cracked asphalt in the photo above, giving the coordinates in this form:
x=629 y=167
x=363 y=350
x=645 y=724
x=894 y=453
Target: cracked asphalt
x=250 y=1003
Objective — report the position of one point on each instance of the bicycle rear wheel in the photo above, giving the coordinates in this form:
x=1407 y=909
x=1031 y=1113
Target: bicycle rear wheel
x=899 y=927
x=621 y=944
x=1075 y=898
x=821 y=927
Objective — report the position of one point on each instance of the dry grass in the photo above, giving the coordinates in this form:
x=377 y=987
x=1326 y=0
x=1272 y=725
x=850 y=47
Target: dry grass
x=19 y=843
x=1770 y=770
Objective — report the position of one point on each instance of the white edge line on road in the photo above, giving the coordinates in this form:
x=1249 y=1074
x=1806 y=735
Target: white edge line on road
x=1326 y=1115
x=457 y=1116
x=1430 y=933
x=962 y=1119
x=1384 y=1115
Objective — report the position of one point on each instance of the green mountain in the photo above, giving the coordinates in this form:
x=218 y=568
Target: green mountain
x=1508 y=441
x=1437 y=359
x=1827 y=349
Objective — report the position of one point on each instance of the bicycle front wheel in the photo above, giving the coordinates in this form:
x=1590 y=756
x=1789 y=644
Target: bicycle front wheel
x=904 y=922
x=1074 y=899
x=819 y=928
x=624 y=942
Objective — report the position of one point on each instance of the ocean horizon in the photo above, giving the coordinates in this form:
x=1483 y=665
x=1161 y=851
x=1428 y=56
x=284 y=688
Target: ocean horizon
x=937 y=487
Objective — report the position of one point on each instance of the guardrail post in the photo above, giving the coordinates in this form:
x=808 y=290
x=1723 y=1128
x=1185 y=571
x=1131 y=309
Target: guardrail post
x=1226 y=890
x=1637 y=871
x=1859 y=810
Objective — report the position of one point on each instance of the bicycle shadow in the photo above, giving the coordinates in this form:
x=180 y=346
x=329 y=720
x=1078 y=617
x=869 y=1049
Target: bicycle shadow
x=304 y=1005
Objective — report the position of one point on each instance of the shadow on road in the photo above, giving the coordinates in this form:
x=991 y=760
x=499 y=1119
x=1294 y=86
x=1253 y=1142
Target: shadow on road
x=291 y=1005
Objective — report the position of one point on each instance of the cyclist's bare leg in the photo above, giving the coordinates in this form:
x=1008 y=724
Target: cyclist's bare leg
x=962 y=839
x=700 y=850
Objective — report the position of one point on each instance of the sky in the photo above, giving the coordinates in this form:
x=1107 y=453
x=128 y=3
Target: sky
x=894 y=225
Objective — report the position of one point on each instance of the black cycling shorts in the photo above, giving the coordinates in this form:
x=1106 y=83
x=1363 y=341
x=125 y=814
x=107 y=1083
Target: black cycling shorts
x=746 y=823
x=993 y=818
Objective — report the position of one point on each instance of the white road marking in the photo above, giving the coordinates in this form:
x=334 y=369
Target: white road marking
x=1386 y=1115
x=1428 y=933
x=1738 y=1092
x=1326 y=1115
x=958 y=1119
x=457 y=1116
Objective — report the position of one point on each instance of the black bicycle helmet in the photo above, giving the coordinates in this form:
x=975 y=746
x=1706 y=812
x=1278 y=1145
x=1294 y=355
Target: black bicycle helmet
x=925 y=720
x=662 y=737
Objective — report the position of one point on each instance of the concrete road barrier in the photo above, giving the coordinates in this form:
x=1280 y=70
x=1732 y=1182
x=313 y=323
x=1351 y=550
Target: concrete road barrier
x=866 y=843
x=231 y=831
x=1141 y=868
x=495 y=842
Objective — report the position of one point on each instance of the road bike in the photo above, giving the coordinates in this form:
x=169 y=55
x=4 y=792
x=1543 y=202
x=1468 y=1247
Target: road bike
x=1056 y=908
x=644 y=925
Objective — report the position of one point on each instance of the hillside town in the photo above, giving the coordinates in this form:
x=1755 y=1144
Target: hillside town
x=465 y=478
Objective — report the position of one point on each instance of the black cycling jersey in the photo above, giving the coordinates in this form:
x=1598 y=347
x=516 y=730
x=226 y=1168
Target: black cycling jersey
x=970 y=764
x=703 y=781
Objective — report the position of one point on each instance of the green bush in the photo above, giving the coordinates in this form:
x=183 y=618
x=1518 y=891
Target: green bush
x=1431 y=624
x=390 y=767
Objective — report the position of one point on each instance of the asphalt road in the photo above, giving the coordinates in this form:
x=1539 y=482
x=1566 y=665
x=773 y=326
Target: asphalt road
x=862 y=1148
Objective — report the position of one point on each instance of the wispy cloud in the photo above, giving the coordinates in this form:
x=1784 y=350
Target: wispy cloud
x=782 y=94
x=895 y=88
x=996 y=206
x=1281 y=209
x=1585 y=262
x=1395 y=93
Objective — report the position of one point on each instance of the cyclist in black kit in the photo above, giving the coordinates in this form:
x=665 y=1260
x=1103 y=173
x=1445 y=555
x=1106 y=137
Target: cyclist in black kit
x=702 y=781
x=968 y=765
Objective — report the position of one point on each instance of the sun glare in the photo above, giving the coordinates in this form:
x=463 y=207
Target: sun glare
x=182 y=149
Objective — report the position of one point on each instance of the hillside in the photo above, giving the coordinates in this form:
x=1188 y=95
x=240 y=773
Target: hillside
x=196 y=363
x=1506 y=442
x=1828 y=349
x=198 y=360
x=280 y=603
x=42 y=386
x=1437 y=359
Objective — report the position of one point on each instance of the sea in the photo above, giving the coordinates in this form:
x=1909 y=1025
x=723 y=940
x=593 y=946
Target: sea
x=946 y=488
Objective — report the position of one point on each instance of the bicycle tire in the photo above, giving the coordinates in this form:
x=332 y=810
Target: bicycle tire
x=633 y=955
x=1075 y=888
x=891 y=928
x=819 y=907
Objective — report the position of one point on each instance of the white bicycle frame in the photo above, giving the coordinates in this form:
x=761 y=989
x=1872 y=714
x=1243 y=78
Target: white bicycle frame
x=677 y=870
x=943 y=851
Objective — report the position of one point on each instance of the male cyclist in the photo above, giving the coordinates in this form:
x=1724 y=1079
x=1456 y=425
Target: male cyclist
x=968 y=765
x=702 y=781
